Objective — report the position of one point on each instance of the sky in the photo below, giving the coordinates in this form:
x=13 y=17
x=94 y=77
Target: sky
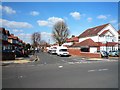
x=25 y=18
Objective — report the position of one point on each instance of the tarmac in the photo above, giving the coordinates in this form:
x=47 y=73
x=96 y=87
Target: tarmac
x=33 y=58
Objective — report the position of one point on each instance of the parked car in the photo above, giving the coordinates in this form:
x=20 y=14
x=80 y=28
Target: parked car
x=62 y=51
x=103 y=53
x=52 y=50
x=8 y=50
x=18 y=53
x=114 y=53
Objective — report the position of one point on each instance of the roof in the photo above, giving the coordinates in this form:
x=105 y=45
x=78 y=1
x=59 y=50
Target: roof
x=92 y=31
x=12 y=36
x=87 y=42
x=108 y=44
x=73 y=39
x=118 y=31
x=7 y=32
x=3 y=30
x=104 y=32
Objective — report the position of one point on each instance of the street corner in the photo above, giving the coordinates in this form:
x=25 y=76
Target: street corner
x=96 y=59
x=5 y=63
x=34 y=58
x=21 y=61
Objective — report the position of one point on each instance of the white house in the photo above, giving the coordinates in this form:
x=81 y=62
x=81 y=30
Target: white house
x=104 y=35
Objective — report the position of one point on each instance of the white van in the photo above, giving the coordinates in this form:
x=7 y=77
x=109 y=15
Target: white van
x=62 y=51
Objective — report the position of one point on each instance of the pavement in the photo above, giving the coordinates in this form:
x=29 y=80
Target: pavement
x=20 y=60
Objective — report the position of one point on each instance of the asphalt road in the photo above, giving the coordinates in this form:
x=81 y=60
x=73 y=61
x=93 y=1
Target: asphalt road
x=61 y=72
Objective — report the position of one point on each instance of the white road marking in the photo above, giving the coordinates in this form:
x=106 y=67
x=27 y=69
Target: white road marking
x=71 y=63
x=102 y=69
x=91 y=70
x=60 y=66
x=20 y=77
x=75 y=59
x=64 y=61
x=97 y=70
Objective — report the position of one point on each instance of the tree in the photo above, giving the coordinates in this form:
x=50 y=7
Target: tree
x=60 y=32
x=28 y=46
x=36 y=38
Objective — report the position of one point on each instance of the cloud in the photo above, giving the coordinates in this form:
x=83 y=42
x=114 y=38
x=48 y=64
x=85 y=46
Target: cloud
x=34 y=13
x=89 y=19
x=7 y=9
x=47 y=37
x=42 y=23
x=26 y=37
x=75 y=15
x=46 y=34
x=102 y=17
x=14 y=24
x=17 y=31
x=49 y=22
x=113 y=21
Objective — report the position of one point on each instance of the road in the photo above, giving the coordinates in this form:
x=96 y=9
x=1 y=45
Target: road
x=61 y=72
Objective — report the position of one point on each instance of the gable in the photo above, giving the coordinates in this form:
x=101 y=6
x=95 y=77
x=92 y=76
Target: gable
x=92 y=31
x=110 y=29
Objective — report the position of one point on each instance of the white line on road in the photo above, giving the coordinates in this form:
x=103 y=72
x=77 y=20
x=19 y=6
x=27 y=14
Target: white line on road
x=102 y=69
x=91 y=70
x=97 y=70
x=71 y=63
x=64 y=61
x=60 y=66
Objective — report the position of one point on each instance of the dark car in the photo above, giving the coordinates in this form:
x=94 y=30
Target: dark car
x=18 y=53
x=104 y=54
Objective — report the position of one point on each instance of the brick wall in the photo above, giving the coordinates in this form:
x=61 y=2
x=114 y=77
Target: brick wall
x=77 y=52
x=8 y=56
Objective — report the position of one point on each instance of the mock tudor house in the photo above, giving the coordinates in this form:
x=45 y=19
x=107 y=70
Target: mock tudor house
x=99 y=38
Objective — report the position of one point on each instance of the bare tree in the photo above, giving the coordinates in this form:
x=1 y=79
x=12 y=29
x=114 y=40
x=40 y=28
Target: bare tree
x=60 y=32
x=36 y=38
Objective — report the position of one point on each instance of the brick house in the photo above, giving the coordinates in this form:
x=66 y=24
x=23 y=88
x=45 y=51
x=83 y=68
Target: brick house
x=4 y=39
x=104 y=35
x=71 y=41
x=14 y=41
x=87 y=45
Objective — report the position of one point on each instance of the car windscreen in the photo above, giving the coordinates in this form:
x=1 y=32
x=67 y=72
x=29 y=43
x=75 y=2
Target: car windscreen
x=63 y=50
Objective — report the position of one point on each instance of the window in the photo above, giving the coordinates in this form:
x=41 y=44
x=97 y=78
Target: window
x=84 y=49
x=64 y=50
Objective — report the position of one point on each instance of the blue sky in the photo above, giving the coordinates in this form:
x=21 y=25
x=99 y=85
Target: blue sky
x=24 y=18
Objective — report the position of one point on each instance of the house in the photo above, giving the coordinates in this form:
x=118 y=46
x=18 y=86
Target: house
x=87 y=45
x=14 y=41
x=119 y=36
x=104 y=35
x=71 y=41
x=4 y=39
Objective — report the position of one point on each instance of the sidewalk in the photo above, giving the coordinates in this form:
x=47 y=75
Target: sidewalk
x=20 y=60
x=97 y=59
